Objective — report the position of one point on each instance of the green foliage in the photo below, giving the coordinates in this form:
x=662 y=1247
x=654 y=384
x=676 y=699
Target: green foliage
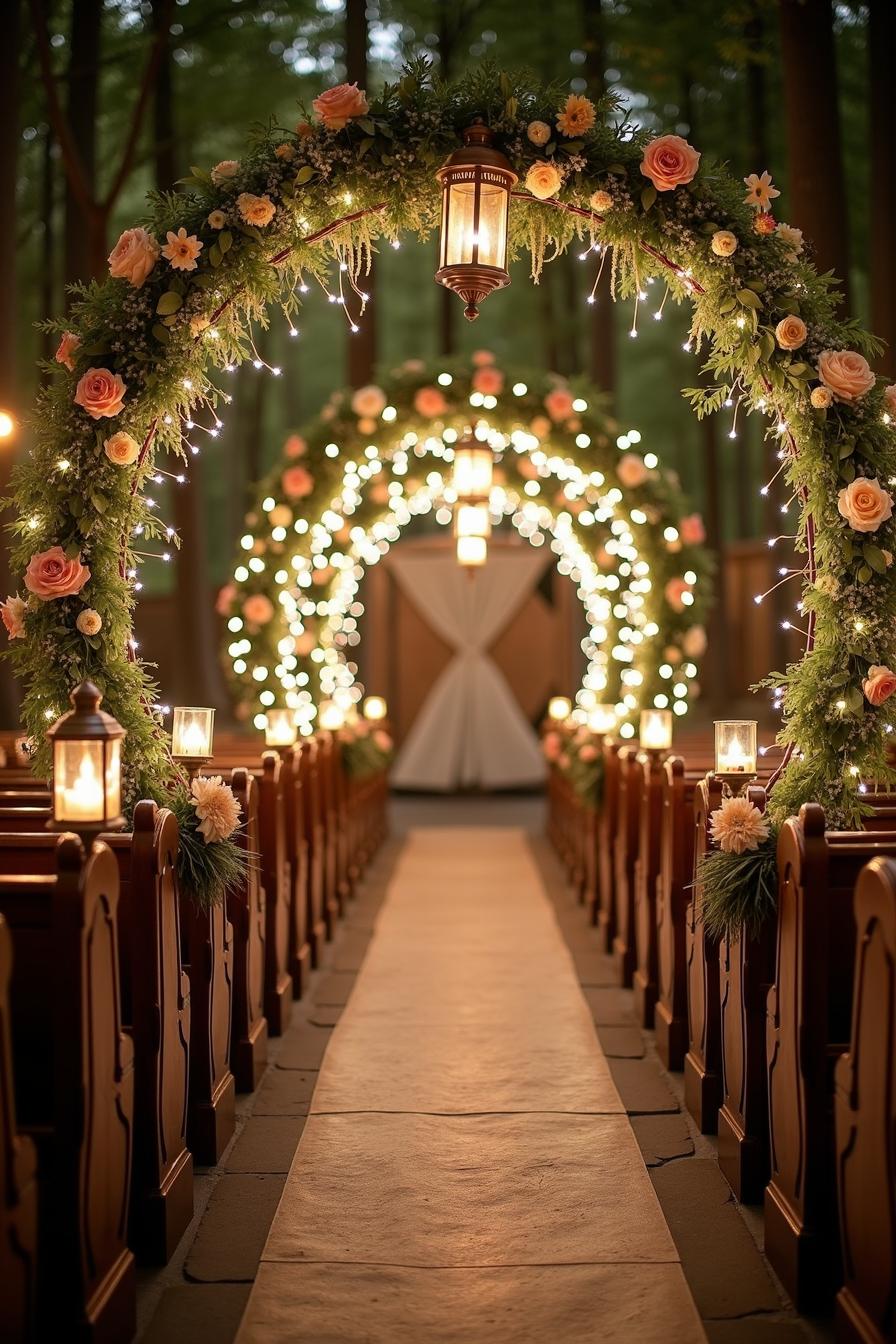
x=365 y=753
x=738 y=891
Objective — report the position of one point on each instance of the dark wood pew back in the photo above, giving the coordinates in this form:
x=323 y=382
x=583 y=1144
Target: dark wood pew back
x=246 y=905
x=278 y=991
x=18 y=1184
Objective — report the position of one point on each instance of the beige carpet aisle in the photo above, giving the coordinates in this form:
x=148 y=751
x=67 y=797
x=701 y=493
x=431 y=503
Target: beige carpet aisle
x=467 y=1172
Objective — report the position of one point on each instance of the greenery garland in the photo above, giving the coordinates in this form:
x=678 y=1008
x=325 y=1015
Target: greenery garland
x=739 y=892
x=374 y=451
x=249 y=234
x=577 y=752
x=366 y=749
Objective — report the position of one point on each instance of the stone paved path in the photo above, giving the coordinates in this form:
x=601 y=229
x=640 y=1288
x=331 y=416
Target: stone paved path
x=467 y=1170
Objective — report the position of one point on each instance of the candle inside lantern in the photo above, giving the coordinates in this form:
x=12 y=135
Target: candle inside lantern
x=280 y=728
x=736 y=746
x=82 y=799
x=192 y=732
x=559 y=708
x=330 y=716
x=375 y=708
x=656 y=729
x=472 y=551
x=472 y=475
x=602 y=718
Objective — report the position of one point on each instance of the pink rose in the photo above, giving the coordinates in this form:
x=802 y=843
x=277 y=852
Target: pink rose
x=865 y=504
x=429 y=402
x=691 y=530
x=669 y=162
x=368 y=402
x=12 y=613
x=558 y=404
x=258 y=609
x=295 y=446
x=488 y=380
x=791 y=333
x=297 y=482
x=550 y=745
x=50 y=574
x=588 y=753
x=675 y=590
x=133 y=257
x=67 y=347
x=631 y=470
x=879 y=684
x=225 y=599
x=101 y=393
x=336 y=107
x=694 y=642
x=846 y=373
x=382 y=740
x=482 y=357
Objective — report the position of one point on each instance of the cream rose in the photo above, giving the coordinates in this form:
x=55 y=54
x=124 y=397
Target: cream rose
x=543 y=180
x=879 y=684
x=821 y=398
x=336 y=107
x=846 y=373
x=66 y=348
x=865 y=504
x=224 y=171
x=101 y=393
x=217 y=219
x=257 y=210
x=670 y=162
x=89 y=622
x=539 y=133
x=724 y=243
x=133 y=257
x=51 y=574
x=791 y=333
x=601 y=201
x=12 y=613
x=791 y=238
x=122 y=449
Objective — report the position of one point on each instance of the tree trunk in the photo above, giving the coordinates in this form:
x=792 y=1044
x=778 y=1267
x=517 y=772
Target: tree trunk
x=48 y=244
x=84 y=246
x=362 y=343
x=198 y=669
x=817 y=192
x=601 y=322
x=9 y=391
x=882 y=136
x=448 y=302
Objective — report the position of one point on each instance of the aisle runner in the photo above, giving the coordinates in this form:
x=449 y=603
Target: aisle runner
x=467 y=1171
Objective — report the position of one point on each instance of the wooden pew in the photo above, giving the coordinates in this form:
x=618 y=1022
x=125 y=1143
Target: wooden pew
x=326 y=763
x=246 y=907
x=604 y=913
x=156 y=1010
x=299 y=962
x=679 y=789
x=645 y=978
x=18 y=1184
x=75 y=1089
x=809 y=1018
x=208 y=942
x=275 y=881
x=625 y=857
x=703 y=1061
x=312 y=820
x=865 y=1119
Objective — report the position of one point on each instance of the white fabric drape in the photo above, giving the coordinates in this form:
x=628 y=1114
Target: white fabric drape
x=470 y=730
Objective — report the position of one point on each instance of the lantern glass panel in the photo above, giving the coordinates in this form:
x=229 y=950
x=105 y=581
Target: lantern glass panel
x=330 y=716
x=472 y=551
x=192 y=732
x=79 y=777
x=656 y=729
x=466 y=239
x=280 y=728
x=736 y=746
x=472 y=520
x=113 y=778
x=472 y=474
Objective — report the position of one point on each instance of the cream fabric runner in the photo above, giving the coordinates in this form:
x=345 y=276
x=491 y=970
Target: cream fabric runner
x=467 y=1172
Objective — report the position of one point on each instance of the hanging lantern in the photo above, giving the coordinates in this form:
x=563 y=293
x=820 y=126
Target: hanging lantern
x=735 y=746
x=86 y=767
x=192 y=733
x=476 y=184
x=472 y=529
x=280 y=728
x=472 y=474
x=656 y=729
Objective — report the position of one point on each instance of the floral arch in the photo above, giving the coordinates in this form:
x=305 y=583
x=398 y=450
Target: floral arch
x=139 y=364
x=380 y=456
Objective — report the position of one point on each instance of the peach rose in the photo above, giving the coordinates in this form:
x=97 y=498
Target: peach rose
x=280 y=515
x=429 y=402
x=336 y=107
x=225 y=598
x=217 y=219
x=488 y=380
x=550 y=745
x=669 y=162
x=368 y=401
x=821 y=398
x=50 y=574
x=601 y=201
x=558 y=403
x=538 y=132
x=480 y=358
x=305 y=643
x=297 y=482
x=791 y=333
x=691 y=530
x=846 y=373
x=89 y=622
x=258 y=609
x=879 y=684
x=674 y=592
x=122 y=449
x=724 y=243
x=66 y=348
x=12 y=613
x=526 y=467
x=865 y=504
x=133 y=257
x=540 y=426
x=382 y=741
x=631 y=470
x=224 y=171
x=588 y=753
x=257 y=210
x=694 y=642
x=295 y=446
x=889 y=397
x=543 y=180
x=101 y=393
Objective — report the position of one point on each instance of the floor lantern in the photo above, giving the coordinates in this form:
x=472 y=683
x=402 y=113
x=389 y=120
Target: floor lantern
x=86 y=767
x=192 y=734
x=736 y=747
x=476 y=184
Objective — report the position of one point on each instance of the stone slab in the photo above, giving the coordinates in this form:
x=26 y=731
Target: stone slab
x=471 y=1190
x=700 y=1210
x=303 y=1046
x=233 y=1229
x=662 y=1138
x=334 y=988
x=285 y=1092
x=642 y=1087
x=363 y=1304
x=622 y=1042
x=324 y=1015
x=197 y=1313
x=350 y=950
x=267 y=1144
x=760 y=1330
x=610 y=1007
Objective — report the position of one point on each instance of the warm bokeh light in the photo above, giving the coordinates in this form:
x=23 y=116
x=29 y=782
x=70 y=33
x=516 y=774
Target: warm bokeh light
x=7 y=425
x=656 y=729
x=559 y=708
x=375 y=708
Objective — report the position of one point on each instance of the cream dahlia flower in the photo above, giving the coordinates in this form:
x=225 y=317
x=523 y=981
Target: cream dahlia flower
x=216 y=807
x=737 y=826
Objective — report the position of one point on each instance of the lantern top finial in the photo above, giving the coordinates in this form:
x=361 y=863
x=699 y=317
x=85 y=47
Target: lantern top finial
x=85 y=719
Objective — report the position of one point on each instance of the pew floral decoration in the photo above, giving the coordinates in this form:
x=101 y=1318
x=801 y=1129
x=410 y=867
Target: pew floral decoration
x=738 y=877
x=366 y=750
x=577 y=753
x=209 y=862
x=137 y=352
